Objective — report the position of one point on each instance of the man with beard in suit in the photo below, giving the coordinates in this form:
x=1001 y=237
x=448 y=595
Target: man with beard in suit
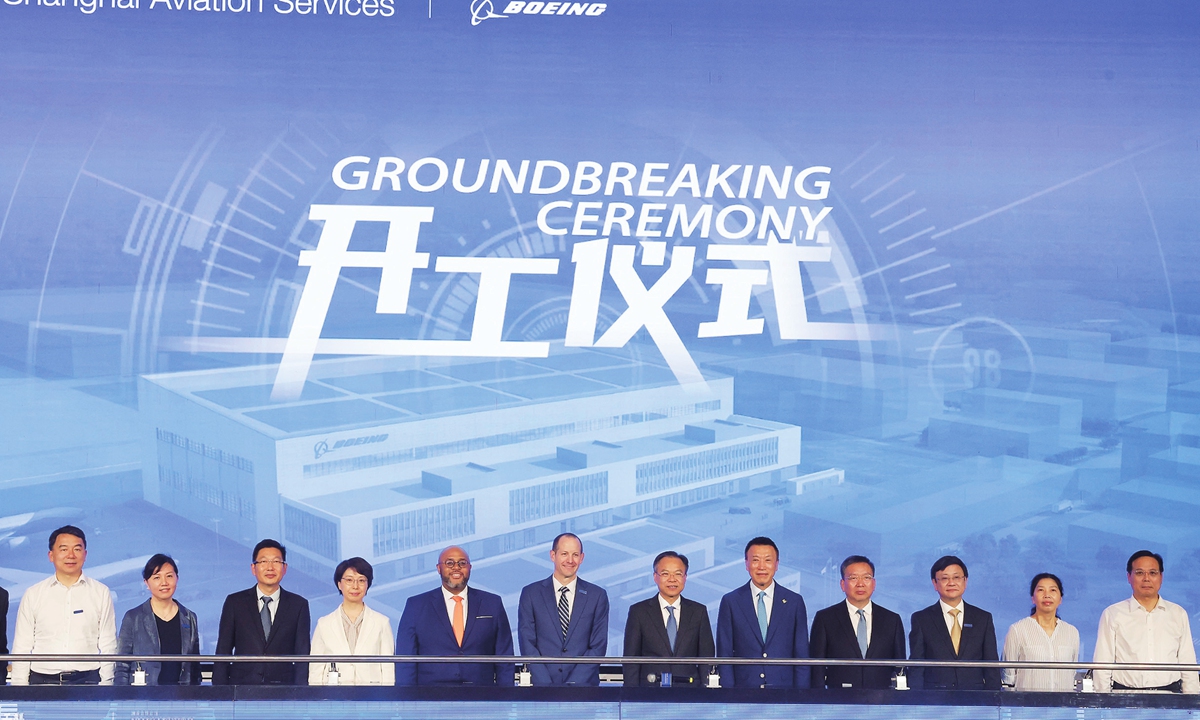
x=952 y=629
x=264 y=620
x=667 y=625
x=454 y=620
x=856 y=628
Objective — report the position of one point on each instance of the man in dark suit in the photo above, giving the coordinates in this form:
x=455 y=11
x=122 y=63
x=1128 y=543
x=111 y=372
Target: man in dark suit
x=264 y=620
x=3 y=621
x=762 y=619
x=564 y=616
x=667 y=625
x=856 y=628
x=951 y=629
x=454 y=620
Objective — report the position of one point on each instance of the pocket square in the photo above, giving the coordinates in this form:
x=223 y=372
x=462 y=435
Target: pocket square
x=483 y=617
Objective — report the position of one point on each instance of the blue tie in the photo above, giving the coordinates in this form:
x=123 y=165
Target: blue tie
x=265 y=616
x=862 y=632
x=672 y=626
x=762 y=614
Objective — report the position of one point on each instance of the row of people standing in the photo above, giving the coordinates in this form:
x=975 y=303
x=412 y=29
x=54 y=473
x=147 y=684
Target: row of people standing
x=564 y=615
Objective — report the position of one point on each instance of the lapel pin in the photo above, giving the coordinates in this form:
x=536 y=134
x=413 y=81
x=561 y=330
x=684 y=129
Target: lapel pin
x=784 y=600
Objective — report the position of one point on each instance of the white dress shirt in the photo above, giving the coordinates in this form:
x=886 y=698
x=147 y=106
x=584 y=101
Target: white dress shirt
x=1028 y=641
x=854 y=618
x=768 y=599
x=273 y=607
x=678 y=605
x=56 y=619
x=570 y=593
x=449 y=596
x=950 y=619
x=1129 y=632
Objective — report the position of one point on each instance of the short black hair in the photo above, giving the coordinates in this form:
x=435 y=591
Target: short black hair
x=1135 y=556
x=944 y=562
x=361 y=566
x=268 y=543
x=854 y=560
x=155 y=563
x=560 y=536
x=760 y=540
x=671 y=554
x=67 y=530
x=1045 y=576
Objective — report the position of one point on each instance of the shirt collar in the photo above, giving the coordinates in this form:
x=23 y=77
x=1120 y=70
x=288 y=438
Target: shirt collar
x=274 y=596
x=1160 y=605
x=662 y=602
x=559 y=586
x=866 y=610
x=962 y=607
x=346 y=618
x=755 y=590
x=83 y=580
x=447 y=594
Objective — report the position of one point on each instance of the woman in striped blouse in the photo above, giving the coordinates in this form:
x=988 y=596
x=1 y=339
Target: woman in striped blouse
x=1042 y=636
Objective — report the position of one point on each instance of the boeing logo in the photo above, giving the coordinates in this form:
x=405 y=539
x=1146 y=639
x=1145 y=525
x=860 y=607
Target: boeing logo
x=484 y=9
x=322 y=447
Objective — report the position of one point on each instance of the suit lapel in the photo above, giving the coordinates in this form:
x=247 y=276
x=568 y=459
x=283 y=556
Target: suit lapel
x=779 y=610
x=943 y=632
x=847 y=629
x=577 y=609
x=746 y=604
x=438 y=602
x=474 y=600
x=654 y=610
x=282 y=612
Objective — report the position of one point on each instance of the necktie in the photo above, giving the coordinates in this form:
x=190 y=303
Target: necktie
x=762 y=614
x=564 y=611
x=862 y=632
x=956 y=630
x=265 y=614
x=672 y=626
x=457 y=622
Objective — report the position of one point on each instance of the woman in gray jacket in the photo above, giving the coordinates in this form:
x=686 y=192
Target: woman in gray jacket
x=159 y=626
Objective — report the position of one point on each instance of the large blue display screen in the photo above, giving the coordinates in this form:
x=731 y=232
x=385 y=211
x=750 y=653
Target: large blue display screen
x=373 y=277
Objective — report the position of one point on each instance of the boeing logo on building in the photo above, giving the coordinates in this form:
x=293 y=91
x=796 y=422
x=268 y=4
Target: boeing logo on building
x=484 y=9
x=322 y=447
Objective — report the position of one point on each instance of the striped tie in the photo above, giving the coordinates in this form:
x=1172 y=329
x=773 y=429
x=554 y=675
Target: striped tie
x=564 y=611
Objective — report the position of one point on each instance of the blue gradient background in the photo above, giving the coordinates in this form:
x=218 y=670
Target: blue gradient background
x=1054 y=150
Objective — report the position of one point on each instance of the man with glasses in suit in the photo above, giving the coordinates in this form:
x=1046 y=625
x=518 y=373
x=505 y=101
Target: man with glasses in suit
x=952 y=629
x=856 y=628
x=667 y=625
x=264 y=620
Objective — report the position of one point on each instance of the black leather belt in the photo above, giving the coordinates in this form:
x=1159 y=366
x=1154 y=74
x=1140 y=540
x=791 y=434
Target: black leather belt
x=72 y=677
x=1175 y=687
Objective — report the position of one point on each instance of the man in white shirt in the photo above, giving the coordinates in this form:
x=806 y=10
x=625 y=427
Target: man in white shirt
x=67 y=613
x=1145 y=629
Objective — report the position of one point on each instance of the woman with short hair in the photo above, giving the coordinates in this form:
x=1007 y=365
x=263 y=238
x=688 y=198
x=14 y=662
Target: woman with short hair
x=159 y=626
x=1044 y=637
x=353 y=629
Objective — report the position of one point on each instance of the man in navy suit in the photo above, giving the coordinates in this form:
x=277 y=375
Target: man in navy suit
x=453 y=620
x=762 y=619
x=951 y=629
x=564 y=616
x=264 y=620
x=856 y=628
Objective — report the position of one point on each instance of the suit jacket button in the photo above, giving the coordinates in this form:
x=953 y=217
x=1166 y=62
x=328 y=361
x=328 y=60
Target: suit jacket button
x=762 y=675
x=762 y=686
x=764 y=654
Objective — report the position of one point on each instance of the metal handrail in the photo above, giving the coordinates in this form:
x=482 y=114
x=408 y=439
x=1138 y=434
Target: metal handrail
x=597 y=660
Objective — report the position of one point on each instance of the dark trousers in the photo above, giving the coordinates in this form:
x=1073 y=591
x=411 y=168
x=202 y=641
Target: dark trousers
x=75 y=677
x=1175 y=687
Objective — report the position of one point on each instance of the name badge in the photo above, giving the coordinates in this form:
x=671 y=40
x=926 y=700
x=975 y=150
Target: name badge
x=77 y=612
x=967 y=625
x=483 y=617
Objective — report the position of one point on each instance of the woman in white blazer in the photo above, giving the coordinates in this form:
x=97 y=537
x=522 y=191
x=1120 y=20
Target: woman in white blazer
x=353 y=629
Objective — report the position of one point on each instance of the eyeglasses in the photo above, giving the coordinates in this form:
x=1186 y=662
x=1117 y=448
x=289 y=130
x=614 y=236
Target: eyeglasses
x=856 y=578
x=672 y=575
x=951 y=578
x=273 y=562
x=1152 y=574
x=460 y=564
